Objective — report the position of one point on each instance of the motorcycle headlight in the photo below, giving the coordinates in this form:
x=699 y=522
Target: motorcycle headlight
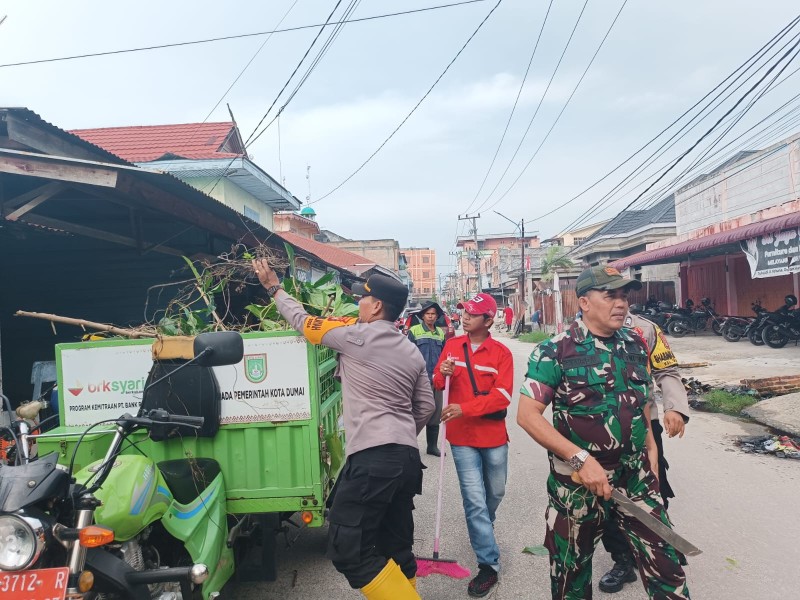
x=22 y=540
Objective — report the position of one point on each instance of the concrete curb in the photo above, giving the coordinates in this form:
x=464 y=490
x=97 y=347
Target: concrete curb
x=780 y=412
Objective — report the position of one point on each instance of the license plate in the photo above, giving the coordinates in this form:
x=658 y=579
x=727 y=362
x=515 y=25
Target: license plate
x=41 y=584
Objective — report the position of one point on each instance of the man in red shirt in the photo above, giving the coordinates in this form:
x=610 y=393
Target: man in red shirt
x=508 y=315
x=481 y=374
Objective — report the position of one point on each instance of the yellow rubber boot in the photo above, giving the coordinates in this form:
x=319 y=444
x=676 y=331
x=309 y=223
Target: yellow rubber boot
x=413 y=582
x=390 y=584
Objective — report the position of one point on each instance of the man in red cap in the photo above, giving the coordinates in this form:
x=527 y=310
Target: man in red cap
x=481 y=372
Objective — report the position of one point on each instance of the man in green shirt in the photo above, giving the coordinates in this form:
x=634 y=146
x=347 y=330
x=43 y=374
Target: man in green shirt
x=596 y=377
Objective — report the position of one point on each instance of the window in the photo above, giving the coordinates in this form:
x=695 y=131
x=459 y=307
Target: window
x=252 y=214
x=426 y=274
x=578 y=241
x=426 y=259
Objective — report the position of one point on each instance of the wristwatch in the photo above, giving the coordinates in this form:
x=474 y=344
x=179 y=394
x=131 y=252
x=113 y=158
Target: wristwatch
x=271 y=291
x=576 y=462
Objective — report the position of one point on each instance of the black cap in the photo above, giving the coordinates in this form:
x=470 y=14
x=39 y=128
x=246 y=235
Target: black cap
x=383 y=288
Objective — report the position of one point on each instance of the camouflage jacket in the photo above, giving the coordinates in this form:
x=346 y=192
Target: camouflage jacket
x=598 y=389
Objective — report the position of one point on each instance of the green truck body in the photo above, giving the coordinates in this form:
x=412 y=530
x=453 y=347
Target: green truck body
x=269 y=466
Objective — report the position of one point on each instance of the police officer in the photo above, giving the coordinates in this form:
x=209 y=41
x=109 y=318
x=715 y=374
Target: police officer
x=429 y=339
x=387 y=401
x=663 y=365
x=596 y=377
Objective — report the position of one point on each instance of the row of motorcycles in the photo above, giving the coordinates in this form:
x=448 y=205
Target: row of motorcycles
x=680 y=321
x=772 y=328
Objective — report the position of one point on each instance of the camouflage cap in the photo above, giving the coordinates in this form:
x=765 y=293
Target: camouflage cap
x=603 y=277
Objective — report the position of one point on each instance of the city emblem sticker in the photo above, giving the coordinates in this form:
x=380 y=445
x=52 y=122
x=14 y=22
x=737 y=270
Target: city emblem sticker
x=255 y=367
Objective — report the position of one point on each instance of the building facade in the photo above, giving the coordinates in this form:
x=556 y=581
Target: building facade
x=422 y=269
x=738 y=236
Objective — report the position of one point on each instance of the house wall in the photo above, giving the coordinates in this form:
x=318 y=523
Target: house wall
x=741 y=190
x=732 y=291
x=233 y=196
x=295 y=224
x=384 y=252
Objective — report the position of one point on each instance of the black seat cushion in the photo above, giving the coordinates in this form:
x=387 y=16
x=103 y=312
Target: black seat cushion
x=188 y=477
x=192 y=391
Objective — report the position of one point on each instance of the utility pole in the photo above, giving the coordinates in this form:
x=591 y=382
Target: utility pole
x=474 y=232
x=522 y=281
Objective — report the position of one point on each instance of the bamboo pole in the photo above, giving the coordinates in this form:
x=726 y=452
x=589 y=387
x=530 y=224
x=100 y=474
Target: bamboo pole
x=83 y=323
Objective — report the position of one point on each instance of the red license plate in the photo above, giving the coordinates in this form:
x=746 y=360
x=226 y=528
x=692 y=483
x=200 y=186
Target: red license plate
x=41 y=584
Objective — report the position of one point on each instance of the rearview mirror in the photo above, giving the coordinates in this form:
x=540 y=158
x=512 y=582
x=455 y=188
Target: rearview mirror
x=218 y=348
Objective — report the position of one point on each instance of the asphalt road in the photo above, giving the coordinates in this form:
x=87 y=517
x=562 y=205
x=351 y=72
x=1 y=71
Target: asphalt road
x=740 y=509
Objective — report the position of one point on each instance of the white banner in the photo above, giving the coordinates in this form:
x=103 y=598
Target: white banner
x=104 y=381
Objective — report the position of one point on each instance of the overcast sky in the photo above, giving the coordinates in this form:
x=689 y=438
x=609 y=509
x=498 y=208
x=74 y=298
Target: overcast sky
x=659 y=59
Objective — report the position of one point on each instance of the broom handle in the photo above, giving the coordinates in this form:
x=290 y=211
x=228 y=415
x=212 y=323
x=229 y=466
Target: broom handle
x=442 y=442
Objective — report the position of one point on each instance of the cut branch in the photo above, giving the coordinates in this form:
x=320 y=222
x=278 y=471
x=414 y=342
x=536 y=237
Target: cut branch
x=132 y=333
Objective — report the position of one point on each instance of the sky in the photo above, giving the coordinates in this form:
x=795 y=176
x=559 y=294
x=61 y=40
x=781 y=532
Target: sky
x=658 y=60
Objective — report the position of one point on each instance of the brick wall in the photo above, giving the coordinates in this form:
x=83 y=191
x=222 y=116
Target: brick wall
x=777 y=386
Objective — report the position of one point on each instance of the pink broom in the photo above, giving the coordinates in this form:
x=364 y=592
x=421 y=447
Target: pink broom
x=436 y=565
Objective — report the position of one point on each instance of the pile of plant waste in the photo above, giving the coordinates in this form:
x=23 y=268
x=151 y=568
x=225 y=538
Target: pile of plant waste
x=195 y=310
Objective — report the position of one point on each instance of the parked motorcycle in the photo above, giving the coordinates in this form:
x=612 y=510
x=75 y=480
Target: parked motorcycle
x=735 y=328
x=689 y=320
x=783 y=327
x=755 y=330
x=124 y=526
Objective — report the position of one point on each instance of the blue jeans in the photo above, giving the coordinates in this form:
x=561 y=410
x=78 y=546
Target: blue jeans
x=482 y=476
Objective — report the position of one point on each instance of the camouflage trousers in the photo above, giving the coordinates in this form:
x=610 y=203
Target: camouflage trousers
x=575 y=523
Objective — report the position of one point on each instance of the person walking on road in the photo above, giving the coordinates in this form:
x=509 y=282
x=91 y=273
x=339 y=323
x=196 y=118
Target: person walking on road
x=481 y=372
x=508 y=316
x=387 y=401
x=663 y=365
x=596 y=377
x=429 y=339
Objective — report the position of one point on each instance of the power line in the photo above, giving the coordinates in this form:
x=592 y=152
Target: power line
x=288 y=81
x=561 y=112
x=744 y=65
x=249 y=62
x=416 y=106
x=331 y=38
x=539 y=106
x=513 y=108
x=233 y=37
x=713 y=127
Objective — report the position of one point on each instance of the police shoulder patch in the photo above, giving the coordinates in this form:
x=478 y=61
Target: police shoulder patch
x=662 y=356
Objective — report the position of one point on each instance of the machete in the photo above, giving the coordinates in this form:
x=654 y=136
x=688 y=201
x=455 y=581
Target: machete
x=654 y=524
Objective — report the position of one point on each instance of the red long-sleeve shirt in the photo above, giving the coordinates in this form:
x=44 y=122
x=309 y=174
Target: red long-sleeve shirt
x=493 y=367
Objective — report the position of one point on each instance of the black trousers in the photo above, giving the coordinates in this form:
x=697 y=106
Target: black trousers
x=614 y=541
x=371 y=517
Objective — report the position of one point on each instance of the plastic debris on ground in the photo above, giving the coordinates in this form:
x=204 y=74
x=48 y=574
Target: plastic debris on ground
x=781 y=446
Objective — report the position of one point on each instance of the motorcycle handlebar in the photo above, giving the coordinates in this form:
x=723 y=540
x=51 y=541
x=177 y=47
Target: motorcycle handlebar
x=160 y=416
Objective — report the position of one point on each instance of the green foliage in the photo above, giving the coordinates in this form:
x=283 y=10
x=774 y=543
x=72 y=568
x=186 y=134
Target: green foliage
x=321 y=298
x=534 y=337
x=536 y=550
x=195 y=312
x=555 y=258
x=726 y=402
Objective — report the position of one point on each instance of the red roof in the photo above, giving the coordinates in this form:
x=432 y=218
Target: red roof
x=152 y=142
x=344 y=259
x=710 y=241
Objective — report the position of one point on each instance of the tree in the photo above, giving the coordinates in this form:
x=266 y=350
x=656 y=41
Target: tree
x=555 y=258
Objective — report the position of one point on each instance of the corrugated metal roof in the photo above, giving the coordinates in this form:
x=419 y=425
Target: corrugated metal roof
x=147 y=143
x=709 y=242
x=631 y=220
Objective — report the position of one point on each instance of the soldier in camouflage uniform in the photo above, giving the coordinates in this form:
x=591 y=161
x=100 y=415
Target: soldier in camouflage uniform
x=596 y=376
x=663 y=367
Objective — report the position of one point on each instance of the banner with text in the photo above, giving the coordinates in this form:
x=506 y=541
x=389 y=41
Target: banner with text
x=104 y=381
x=773 y=254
